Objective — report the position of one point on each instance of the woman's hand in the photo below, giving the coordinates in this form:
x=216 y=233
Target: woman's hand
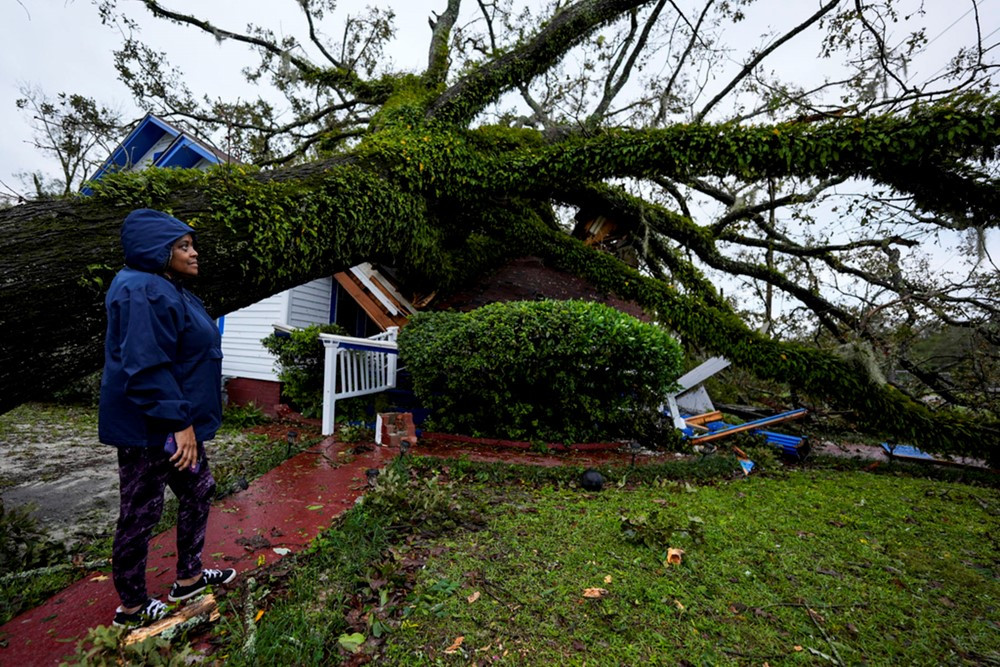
x=187 y=449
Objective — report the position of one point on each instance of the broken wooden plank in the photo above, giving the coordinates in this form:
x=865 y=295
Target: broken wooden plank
x=201 y=610
x=375 y=310
x=766 y=421
x=701 y=373
x=698 y=420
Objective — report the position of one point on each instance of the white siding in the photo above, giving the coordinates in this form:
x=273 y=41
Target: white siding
x=243 y=355
x=310 y=303
x=300 y=306
x=147 y=159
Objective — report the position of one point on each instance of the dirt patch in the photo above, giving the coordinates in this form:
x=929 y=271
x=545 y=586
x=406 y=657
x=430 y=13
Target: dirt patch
x=52 y=463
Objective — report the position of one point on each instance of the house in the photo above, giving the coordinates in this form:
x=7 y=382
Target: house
x=363 y=299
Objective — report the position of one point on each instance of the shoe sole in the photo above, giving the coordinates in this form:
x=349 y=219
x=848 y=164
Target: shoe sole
x=187 y=596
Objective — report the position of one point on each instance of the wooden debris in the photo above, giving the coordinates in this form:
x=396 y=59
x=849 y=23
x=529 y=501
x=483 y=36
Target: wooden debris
x=699 y=420
x=202 y=610
x=732 y=430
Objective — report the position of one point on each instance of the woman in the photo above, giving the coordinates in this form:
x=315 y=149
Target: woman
x=161 y=399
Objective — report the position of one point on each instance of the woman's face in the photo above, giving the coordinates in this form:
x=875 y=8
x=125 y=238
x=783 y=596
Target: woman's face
x=183 y=258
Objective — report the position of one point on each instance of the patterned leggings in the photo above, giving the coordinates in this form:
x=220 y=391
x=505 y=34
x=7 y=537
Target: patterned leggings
x=143 y=473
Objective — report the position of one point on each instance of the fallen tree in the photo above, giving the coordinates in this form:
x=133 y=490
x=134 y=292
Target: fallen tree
x=425 y=186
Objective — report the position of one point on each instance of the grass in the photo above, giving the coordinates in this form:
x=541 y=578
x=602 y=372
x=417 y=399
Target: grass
x=801 y=567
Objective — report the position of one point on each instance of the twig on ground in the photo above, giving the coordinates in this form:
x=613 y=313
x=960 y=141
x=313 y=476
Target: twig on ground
x=812 y=615
x=817 y=606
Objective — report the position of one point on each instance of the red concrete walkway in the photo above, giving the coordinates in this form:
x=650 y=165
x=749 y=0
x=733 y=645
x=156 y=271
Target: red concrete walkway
x=285 y=508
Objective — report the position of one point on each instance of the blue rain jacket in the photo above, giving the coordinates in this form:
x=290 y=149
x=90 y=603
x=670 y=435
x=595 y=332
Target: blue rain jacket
x=162 y=352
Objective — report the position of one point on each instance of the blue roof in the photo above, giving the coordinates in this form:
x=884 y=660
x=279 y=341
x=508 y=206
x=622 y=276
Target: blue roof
x=183 y=152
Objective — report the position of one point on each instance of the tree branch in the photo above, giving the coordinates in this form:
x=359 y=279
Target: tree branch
x=756 y=60
x=438 y=60
x=161 y=12
x=741 y=211
x=613 y=85
x=568 y=27
x=623 y=207
x=661 y=115
x=314 y=38
x=883 y=56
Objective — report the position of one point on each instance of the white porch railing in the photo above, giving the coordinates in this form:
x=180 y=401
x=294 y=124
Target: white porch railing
x=355 y=367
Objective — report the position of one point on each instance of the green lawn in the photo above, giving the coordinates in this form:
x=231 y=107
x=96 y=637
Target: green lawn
x=809 y=565
x=865 y=568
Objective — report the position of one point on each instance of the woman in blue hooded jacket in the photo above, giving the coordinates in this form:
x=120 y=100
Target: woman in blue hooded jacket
x=161 y=399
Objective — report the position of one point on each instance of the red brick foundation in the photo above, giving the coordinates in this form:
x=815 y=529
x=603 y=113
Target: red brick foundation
x=265 y=394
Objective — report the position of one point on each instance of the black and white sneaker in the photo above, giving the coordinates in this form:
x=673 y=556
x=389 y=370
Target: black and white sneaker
x=208 y=578
x=153 y=610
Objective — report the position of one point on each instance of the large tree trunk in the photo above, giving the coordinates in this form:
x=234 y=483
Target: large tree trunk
x=53 y=317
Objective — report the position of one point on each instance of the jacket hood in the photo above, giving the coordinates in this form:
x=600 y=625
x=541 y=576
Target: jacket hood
x=147 y=237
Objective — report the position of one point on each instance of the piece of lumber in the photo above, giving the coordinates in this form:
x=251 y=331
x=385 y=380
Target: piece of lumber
x=697 y=375
x=697 y=420
x=766 y=421
x=204 y=606
x=911 y=454
x=371 y=307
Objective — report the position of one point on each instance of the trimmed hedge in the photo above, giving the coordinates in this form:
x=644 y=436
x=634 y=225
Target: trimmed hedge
x=555 y=371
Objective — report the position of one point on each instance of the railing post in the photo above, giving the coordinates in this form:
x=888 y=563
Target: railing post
x=329 y=385
x=391 y=359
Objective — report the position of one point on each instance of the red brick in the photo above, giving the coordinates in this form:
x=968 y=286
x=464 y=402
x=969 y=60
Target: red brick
x=265 y=394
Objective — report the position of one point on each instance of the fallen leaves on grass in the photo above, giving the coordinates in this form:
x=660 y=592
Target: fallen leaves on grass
x=455 y=645
x=351 y=642
x=594 y=593
x=674 y=556
x=472 y=598
x=816 y=616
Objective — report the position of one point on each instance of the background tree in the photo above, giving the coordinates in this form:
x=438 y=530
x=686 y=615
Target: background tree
x=820 y=192
x=78 y=132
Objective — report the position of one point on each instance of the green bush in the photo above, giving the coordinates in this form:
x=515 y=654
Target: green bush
x=23 y=544
x=557 y=371
x=300 y=363
x=241 y=417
